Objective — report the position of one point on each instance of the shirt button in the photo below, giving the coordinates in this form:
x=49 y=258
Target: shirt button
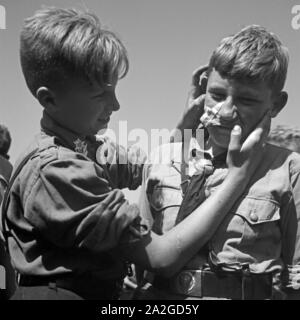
x=253 y=217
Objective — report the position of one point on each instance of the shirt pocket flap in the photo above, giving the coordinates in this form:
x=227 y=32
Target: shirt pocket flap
x=257 y=211
x=163 y=197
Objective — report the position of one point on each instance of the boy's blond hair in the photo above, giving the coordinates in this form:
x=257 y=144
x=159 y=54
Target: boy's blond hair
x=60 y=43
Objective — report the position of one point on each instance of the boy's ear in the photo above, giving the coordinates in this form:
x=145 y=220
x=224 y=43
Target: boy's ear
x=280 y=101
x=46 y=98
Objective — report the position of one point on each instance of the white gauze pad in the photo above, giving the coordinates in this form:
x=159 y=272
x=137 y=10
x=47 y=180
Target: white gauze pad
x=211 y=116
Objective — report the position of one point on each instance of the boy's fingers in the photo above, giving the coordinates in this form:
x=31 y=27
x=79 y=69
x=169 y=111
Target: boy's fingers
x=265 y=125
x=193 y=111
x=203 y=84
x=197 y=74
x=200 y=101
x=235 y=139
x=198 y=87
x=198 y=106
x=112 y=198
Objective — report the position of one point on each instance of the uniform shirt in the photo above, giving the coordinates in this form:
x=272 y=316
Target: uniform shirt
x=261 y=230
x=57 y=200
x=9 y=279
x=5 y=172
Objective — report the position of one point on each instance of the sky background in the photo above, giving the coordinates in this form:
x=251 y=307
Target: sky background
x=166 y=41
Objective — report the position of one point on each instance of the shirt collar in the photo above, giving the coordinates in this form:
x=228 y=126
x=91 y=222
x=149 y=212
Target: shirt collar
x=196 y=153
x=201 y=161
x=66 y=137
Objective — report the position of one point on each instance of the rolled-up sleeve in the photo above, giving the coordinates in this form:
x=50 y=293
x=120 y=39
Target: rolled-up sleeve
x=71 y=204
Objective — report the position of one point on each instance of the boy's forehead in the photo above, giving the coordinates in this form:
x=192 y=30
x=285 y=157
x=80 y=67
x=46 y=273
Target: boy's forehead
x=92 y=85
x=243 y=86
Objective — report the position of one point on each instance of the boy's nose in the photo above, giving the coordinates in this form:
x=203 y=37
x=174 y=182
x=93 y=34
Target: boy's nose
x=228 y=111
x=114 y=104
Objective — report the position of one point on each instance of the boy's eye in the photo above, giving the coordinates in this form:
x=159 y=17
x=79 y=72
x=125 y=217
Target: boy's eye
x=99 y=97
x=217 y=96
x=247 y=101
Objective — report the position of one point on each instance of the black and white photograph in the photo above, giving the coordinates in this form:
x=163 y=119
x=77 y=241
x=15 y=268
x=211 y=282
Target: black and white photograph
x=149 y=151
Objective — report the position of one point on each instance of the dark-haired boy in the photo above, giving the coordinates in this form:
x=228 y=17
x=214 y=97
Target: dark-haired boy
x=254 y=254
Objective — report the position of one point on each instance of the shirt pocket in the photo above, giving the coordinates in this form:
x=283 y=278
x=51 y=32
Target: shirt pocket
x=252 y=224
x=165 y=202
x=261 y=220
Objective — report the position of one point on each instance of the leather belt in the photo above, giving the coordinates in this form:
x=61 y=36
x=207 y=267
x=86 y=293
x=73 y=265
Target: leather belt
x=85 y=286
x=229 y=285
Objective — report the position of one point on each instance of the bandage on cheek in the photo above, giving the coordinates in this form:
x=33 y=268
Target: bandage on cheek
x=211 y=116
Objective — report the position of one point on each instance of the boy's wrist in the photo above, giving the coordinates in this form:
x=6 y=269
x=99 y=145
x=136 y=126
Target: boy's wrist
x=237 y=176
x=188 y=122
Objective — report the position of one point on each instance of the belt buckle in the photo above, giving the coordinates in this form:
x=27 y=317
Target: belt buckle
x=189 y=282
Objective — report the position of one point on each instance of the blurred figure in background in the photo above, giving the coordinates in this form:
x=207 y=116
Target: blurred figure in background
x=7 y=276
x=285 y=136
x=5 y=165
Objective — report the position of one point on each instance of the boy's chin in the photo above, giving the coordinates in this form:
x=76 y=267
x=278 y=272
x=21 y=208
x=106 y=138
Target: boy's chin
x=220 y=137
x=102 y=129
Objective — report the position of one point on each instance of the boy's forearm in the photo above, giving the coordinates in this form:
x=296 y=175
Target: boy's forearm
x=168 y=253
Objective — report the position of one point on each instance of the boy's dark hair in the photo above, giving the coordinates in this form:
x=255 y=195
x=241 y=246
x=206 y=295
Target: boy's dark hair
x=252 y=54
x=5 y=141
x=60 y=43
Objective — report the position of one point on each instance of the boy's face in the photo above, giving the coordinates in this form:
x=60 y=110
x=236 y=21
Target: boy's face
x=243 y=103
x=84 y=107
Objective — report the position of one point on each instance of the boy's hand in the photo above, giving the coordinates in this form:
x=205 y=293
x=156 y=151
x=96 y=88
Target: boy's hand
x=195 y=102
x=243 y=159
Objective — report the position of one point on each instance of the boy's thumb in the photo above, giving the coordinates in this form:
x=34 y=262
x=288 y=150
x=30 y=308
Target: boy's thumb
x=235 y=139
